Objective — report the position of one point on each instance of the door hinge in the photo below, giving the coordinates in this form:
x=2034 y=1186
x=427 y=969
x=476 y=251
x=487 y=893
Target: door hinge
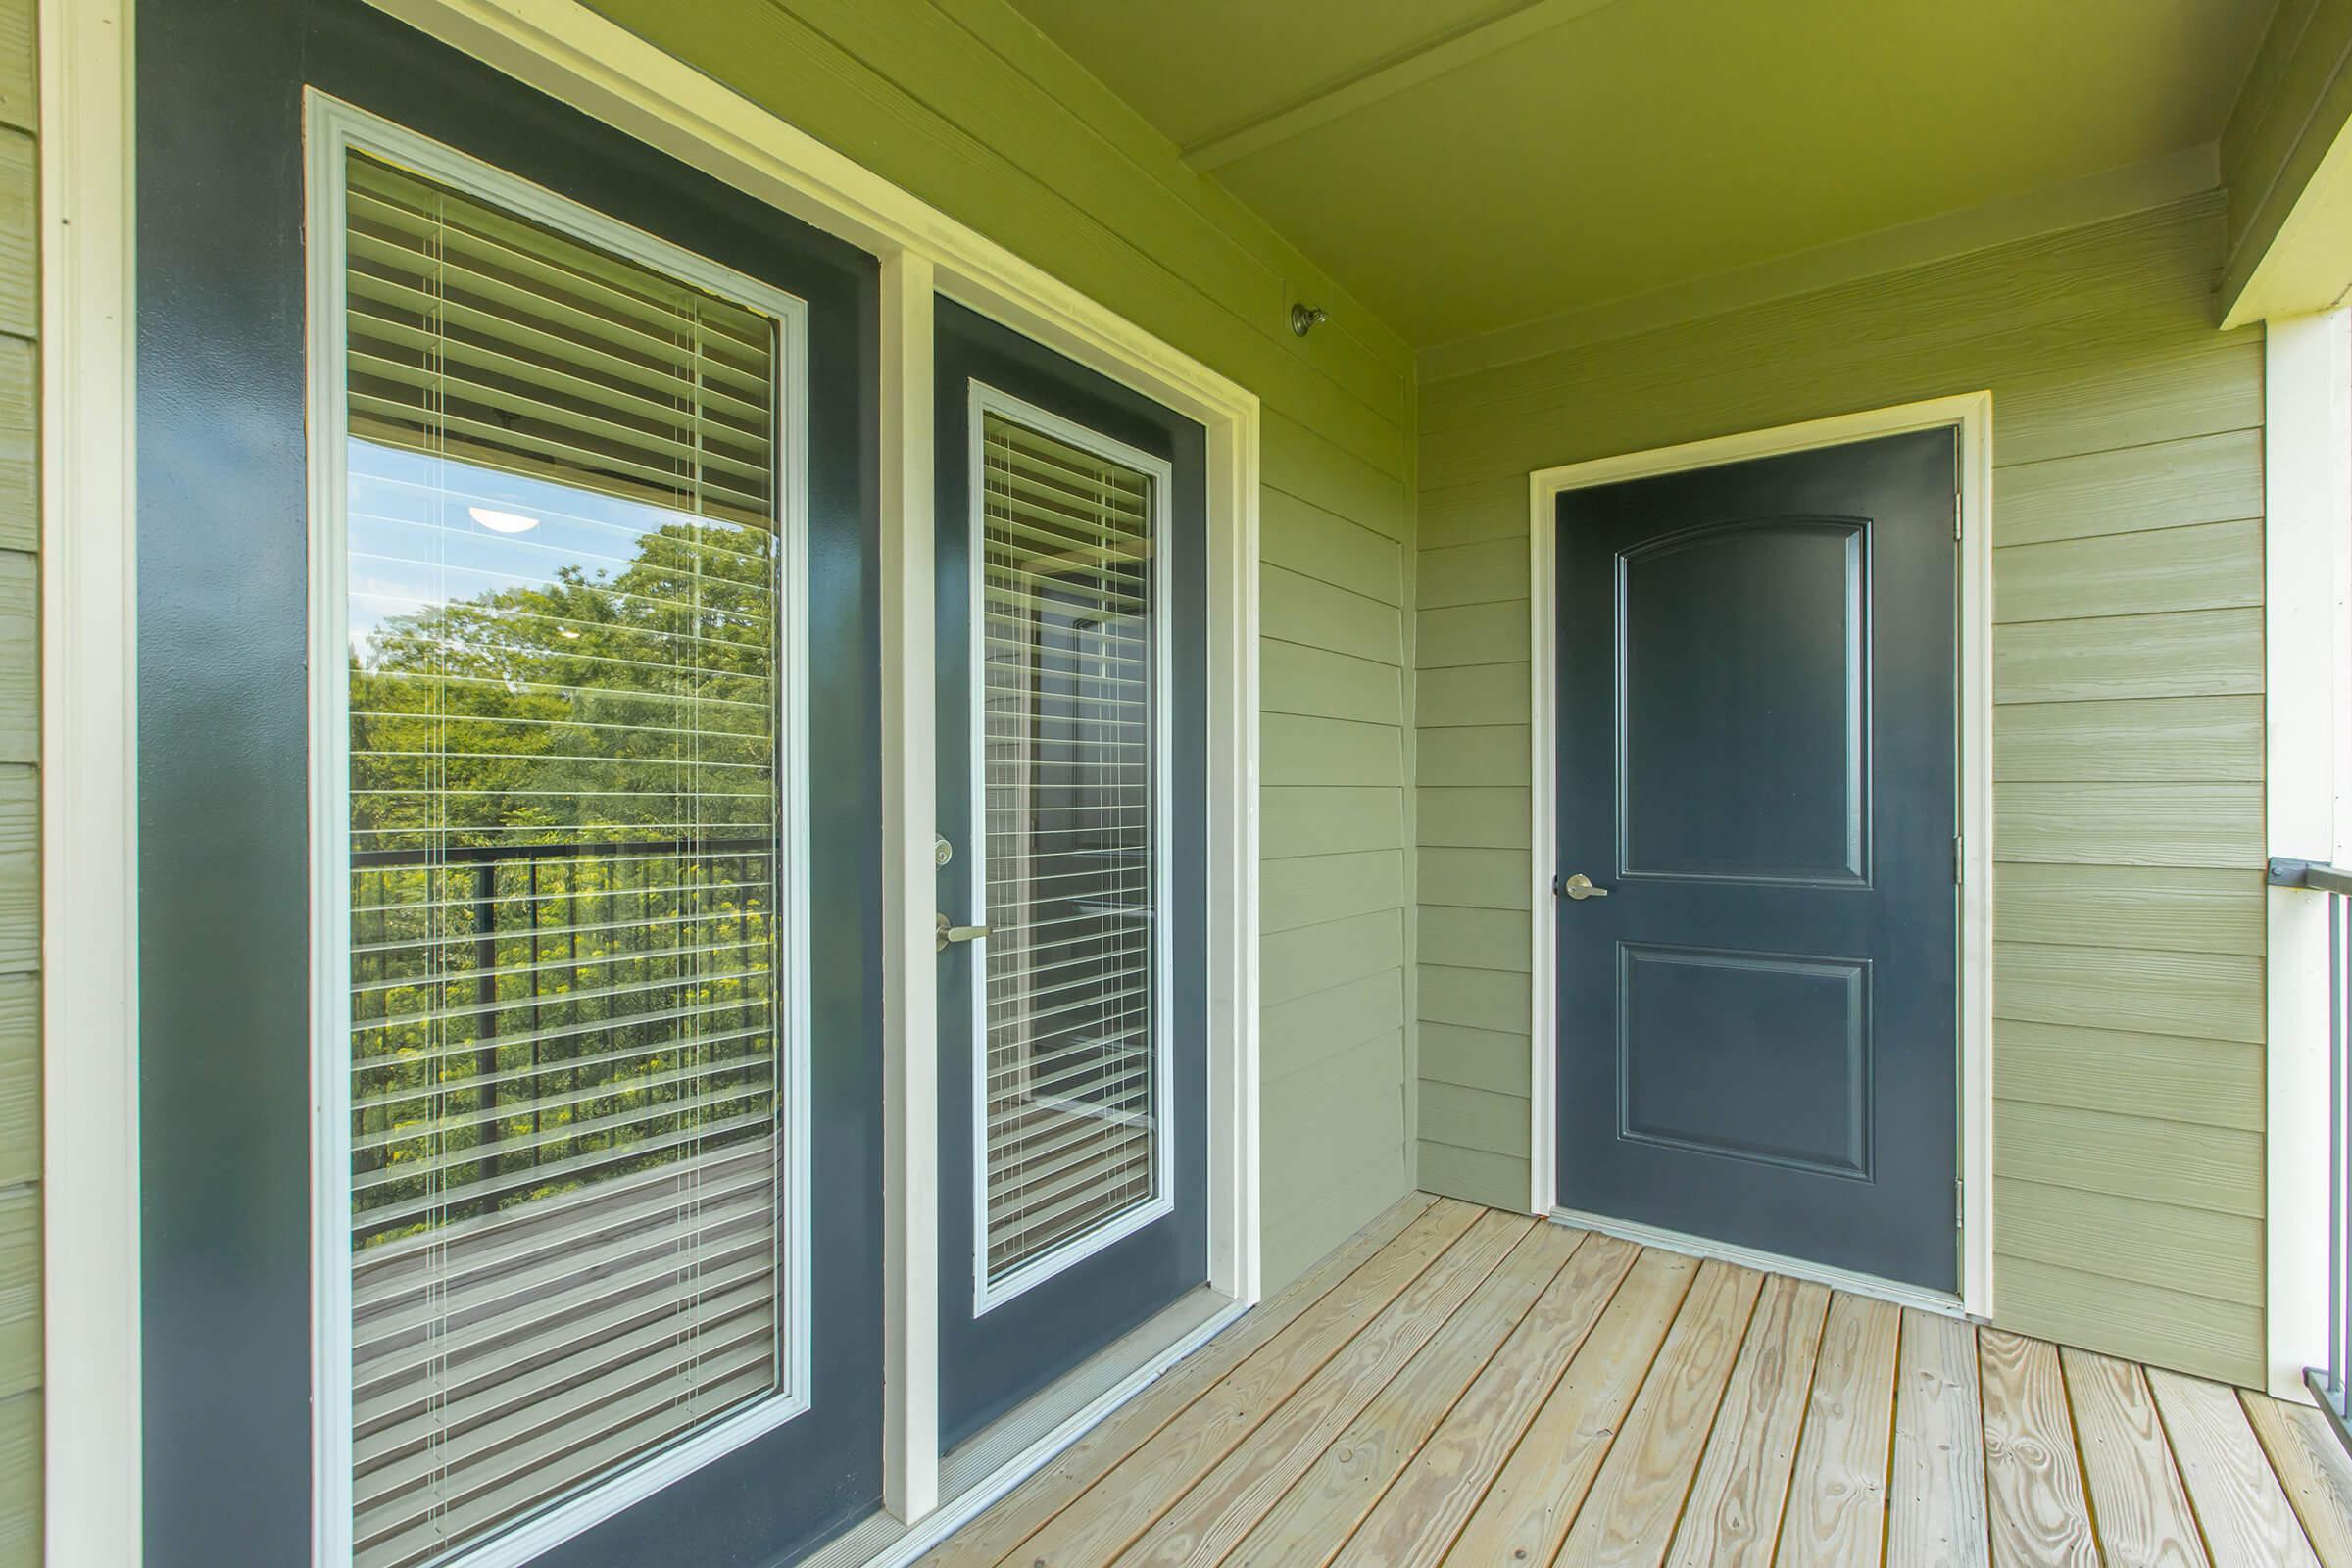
x=1955 y=512
x=1960 y=858
x=1960 y=1204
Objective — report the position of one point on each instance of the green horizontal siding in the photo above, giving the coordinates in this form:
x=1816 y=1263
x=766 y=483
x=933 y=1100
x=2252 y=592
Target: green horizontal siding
x=2127 y=661
x=964 y=104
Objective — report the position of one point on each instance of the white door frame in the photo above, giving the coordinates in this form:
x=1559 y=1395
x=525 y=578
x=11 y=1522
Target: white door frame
x=91 y=1495
x=2307 y=764
x=1972 y=415
x=89 y=706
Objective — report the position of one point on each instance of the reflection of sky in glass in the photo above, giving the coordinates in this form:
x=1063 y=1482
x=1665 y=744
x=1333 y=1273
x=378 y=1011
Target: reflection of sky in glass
x=415 y=544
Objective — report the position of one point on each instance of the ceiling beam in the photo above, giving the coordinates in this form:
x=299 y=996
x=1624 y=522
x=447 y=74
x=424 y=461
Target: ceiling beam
x=1385 y=79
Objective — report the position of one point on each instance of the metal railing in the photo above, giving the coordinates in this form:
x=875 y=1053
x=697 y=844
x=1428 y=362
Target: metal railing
x=490 y=935
x=2328 y=1384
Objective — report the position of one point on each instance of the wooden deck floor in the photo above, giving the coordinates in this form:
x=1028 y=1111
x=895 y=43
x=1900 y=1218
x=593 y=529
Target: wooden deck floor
x=1463 y=1385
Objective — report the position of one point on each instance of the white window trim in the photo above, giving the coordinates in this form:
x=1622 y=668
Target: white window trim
x=333 y=130
x=987 y=1293
x=2307 y=596
x=92 y=1495
x=1972 y=415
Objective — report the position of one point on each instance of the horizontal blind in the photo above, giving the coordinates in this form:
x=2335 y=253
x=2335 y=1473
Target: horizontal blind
x=564 y=1057
x=483 y=335
x=1070 y=714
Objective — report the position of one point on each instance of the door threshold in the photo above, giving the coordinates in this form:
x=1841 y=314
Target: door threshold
x=990 y=1463
x=1940 y=1302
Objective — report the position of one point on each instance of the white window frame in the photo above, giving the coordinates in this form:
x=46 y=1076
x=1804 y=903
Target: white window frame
x=987 y=1293
x=2307 y=768
x=333 y=131
x=1971 y=414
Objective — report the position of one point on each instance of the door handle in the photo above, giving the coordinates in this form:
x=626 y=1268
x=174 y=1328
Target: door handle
x=957 y=933
x=1579 y=886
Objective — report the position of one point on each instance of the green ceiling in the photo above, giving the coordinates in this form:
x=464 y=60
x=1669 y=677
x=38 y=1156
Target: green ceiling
x=1613 y=147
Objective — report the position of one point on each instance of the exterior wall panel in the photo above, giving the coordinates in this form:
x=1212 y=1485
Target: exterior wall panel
x=966 y=103
x=2127 y=754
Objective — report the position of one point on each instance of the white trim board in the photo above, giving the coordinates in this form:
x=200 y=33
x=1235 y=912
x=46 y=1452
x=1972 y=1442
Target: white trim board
x=600 y=67
x=1972 y=415
x=2307 y=595
x=89 y=800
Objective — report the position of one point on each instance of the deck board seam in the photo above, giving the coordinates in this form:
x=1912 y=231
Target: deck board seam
x=1730 y=1375
x=2272 y=1460
x=1536 y=1408
x=1796 y=1451
x=1649 y=1369
x=2074 y=1431
x=2172 y=1450
x=1431 y=1202
x=1141 y=1532
x=1406 y=1463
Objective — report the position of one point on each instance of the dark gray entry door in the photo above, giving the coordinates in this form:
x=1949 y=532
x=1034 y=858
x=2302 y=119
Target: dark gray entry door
x=1757 y=777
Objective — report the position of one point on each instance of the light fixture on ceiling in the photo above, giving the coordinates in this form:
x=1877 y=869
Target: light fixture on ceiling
x=1305 y=319
x=502 y=521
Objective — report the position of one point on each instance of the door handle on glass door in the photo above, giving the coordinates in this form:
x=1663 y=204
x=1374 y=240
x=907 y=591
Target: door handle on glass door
x=957 y=933
x=1580 y=888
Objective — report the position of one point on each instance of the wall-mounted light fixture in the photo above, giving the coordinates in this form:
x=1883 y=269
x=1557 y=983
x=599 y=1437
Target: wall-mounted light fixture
x=1305 y=319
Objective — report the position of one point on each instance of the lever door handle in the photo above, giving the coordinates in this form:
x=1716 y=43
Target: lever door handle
x=1580 y=888
x=957 y=933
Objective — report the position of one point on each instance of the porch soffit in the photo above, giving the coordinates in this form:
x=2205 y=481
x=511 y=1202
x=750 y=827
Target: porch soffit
x=1465 y=166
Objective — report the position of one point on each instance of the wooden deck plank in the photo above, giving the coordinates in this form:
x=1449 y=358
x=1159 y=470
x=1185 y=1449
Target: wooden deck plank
x=2313 y=1467
x=1312 y=1520
x=1935 y=1492
x=2033 y=1476
x=1525 y=1513
x=1466 y=1386
x=1733 y=1516
x=1417 y=1519
x=1203 y=1415
x=2136 y=1499
x=1837 y=1511
x=2243 y=1509
x=1627 y=1521
x=1223 y=1503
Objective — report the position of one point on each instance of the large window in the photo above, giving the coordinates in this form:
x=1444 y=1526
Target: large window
x=570 y=1086
x=1073 y=1088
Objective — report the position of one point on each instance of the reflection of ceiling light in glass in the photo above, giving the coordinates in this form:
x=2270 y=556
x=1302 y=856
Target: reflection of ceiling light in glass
x=569 y=632
x=502 y=521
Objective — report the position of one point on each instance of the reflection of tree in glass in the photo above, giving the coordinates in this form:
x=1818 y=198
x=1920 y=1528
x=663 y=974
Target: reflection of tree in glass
x=563 y=816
